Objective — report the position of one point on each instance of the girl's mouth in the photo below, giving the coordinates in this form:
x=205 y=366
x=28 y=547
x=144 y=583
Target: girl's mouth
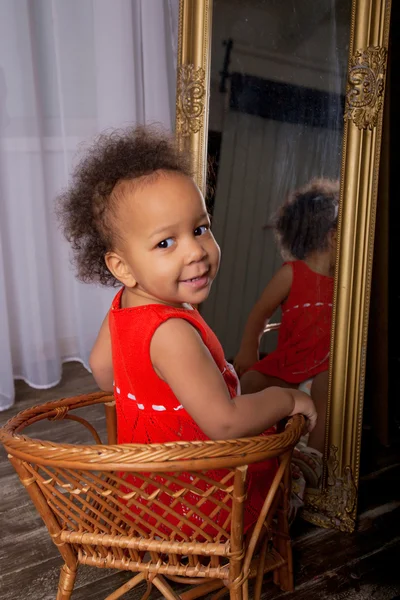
x=197 y=282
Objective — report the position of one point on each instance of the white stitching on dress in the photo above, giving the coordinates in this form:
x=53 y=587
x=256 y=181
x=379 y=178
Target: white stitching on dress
x=158 y=407
x=131 y=397
x=306 y=305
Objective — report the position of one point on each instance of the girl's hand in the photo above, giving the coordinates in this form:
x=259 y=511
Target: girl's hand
x=305 y=406
x=244 y=360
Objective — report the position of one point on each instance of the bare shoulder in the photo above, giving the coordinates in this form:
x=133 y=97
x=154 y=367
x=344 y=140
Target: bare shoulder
x=285 y=273
x=178 y=338
x=175 y=328
x=279 y=286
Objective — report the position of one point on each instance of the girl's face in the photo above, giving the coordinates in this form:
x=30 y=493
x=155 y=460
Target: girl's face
x=166 y=251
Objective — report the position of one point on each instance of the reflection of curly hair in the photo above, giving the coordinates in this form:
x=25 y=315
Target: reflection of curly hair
x=86 y=211
x=307 y=216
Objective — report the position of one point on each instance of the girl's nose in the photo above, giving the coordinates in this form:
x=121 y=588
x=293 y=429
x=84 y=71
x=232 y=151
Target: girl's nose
x=195 y=250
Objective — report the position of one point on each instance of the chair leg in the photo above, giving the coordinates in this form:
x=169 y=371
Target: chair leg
x=222 y=592
x=260 y=570
x=129 y=585
x=164 y=588
x=66 y=583
x=283 y=576
x=205 y=588
x=236 y=593
x=286 y=582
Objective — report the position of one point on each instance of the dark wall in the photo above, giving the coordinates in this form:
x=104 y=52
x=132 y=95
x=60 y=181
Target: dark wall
x=394 y=224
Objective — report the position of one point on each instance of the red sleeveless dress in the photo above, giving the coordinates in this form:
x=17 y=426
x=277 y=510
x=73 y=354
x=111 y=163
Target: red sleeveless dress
x=304 y=335
x=147 y=409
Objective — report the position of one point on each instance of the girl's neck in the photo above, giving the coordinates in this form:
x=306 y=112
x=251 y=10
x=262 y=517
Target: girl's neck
x=321 y=262
x=131 y=298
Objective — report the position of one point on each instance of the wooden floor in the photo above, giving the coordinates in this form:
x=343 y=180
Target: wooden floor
x=328 y=564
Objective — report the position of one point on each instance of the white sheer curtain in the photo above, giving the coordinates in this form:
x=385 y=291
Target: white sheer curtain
x=68 y=69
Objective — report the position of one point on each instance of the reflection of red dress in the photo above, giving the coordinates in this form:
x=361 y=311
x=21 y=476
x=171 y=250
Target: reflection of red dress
x=304 y=334
x=147 y=409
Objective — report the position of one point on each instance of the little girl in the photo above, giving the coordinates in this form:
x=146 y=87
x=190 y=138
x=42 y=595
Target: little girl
x=135 y=218
x=306 y=232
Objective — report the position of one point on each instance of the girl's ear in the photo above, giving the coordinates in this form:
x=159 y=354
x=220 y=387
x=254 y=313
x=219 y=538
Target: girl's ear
x=121 y=271
x=333 y=238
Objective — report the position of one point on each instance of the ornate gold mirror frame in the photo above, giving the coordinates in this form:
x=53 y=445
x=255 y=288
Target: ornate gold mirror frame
x=335 y=504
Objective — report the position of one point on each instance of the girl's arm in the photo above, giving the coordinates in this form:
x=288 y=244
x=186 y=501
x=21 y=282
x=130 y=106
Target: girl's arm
x=100 y=359
x=181 y=359
x=272 y=297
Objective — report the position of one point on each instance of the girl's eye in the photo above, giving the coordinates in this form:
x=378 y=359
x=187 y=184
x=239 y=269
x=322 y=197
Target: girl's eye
x=201 y=230
x=165 y=243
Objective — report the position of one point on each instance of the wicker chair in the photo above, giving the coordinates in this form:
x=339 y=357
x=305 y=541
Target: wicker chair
x=105 y=506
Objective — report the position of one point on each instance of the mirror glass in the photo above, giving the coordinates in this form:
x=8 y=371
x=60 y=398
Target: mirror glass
x=278 y=81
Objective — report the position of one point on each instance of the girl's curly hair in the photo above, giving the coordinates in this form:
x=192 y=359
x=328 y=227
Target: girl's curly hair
x=86 y=210
x=303 y=222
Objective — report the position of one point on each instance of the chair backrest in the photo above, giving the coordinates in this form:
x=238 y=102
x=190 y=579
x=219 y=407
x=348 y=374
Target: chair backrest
x=271 y=327
x=107 y=505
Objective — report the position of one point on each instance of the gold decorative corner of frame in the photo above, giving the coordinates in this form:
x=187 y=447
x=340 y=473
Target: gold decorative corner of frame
x=335 y=505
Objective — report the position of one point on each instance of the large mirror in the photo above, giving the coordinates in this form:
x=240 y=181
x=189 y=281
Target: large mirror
x=277 y=86
x=270 y=96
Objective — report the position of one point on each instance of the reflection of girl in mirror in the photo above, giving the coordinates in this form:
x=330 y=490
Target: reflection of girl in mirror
x=303 y=287
x=136 y=218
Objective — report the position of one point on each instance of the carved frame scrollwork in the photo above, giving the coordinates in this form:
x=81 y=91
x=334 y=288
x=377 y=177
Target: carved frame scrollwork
x=335 y=503
x=364 y=98
x=190 y=98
